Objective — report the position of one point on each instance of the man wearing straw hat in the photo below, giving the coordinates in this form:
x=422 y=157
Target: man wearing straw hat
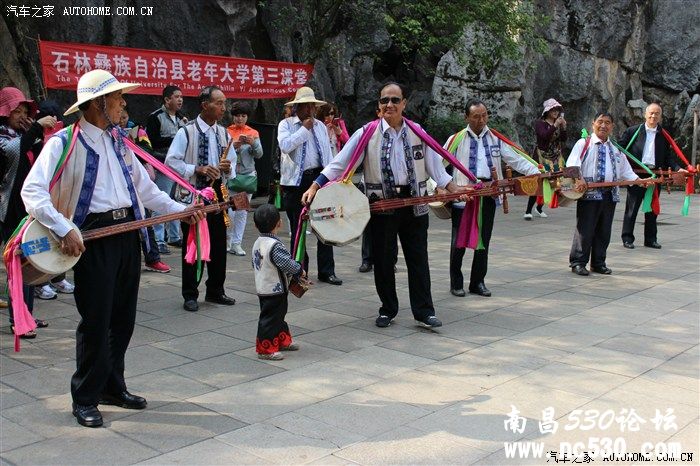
x=306 y=149
x=101 y=184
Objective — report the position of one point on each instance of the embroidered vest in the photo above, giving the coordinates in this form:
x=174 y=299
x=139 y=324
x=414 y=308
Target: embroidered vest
x=590 y=158
x=66 y=193
x=191 y=154
x=269 y=280
x=372 y=168
x=290 y=164
x=463 y=151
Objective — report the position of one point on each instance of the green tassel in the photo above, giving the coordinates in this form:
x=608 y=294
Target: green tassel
x=648 y=196
x=278 y=196
x=584 y=133
x=480 y=245
x=546 y=191
x=301 y=247
x=686 y=206
x=199 y=254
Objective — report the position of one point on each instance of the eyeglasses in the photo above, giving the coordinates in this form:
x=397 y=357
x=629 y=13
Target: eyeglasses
x=393 y=100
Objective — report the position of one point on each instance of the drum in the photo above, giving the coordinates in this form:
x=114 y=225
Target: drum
x=42 y=258
x=440 y=209
x=566 y=186
x=339 y=214
x=298 y=286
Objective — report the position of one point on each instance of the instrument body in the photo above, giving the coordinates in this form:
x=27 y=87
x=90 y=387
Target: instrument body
x=42 y=258
x=339 y=213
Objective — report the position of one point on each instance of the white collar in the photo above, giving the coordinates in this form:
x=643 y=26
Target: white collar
x=91 y=131
x=203 y=125
x=483 y=132
x=595 y=139
x=651 y=130
x=384 y=126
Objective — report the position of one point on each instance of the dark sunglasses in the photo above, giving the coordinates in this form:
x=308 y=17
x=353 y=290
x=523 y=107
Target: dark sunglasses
x=393 y=100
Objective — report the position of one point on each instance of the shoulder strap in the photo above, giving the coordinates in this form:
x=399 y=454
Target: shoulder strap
x=584 y=152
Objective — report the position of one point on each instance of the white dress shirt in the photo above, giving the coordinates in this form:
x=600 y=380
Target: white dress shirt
x=433 y=162
x=649 y=154
x=176 y=152
x=291 y=138
x=589 y=167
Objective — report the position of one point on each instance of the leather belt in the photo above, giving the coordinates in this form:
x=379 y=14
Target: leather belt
x=312 y=171
x=108 y=218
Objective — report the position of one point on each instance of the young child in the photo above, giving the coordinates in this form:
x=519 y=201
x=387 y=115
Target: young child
x=272 y=266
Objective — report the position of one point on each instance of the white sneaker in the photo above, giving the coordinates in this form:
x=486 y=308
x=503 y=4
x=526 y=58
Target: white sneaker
x=45 y=292
x=541 y=214
x=64 y=286
x=276 y=356
x=527 y=216
x=237 y=250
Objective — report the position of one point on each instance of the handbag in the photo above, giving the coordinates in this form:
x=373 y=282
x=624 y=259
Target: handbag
x=244 y=184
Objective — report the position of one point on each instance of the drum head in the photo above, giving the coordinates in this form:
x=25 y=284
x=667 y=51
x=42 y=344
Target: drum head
x=40 y=249
x=339 y=214
x=566 y=188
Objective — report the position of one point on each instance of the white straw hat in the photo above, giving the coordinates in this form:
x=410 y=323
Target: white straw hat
x=550 y=104
x=305 y=95
x=96 y=83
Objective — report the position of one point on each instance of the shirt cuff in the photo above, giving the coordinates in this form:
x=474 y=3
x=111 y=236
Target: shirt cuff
x=321 y=180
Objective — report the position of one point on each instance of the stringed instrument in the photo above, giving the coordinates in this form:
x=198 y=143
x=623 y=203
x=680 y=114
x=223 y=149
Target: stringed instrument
x=340 y=212
x=42 y=258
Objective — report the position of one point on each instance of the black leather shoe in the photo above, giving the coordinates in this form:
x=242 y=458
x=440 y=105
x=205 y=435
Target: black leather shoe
x=177 y=244
x=221 y=299
x=191 y=305
x=579 y=270
x=628 y=245
x=602 y=270
x=365 y=267
x=332 y=279
x=124 y=400
x=654 y=245
x=459 y=293
x=480 y=289
x=88 y=416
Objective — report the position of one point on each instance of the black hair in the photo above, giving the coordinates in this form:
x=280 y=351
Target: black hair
x=85 y=105
x=604 y=113
x=240 y=108
x=266 y=217
x=205 y=94
x=404 y=89
x=472 y=103
x=169 y=90
x=50 y=108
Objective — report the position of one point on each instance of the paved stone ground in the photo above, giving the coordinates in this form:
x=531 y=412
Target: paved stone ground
x=355 y=393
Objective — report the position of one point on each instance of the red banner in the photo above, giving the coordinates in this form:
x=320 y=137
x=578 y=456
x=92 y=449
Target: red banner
x=62 y=64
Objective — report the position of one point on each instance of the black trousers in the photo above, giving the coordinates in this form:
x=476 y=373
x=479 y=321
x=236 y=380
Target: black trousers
x=106 y=291
x=150 y=253
x=531 y=203
x=292 y=204
x=480 y=262
x=635 y=197
x=273 y=331
x=412 y=231
x=216 y=267
x=367 y=245
x=593 y=228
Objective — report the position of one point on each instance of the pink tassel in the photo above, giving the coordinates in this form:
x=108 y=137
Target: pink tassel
x=191 y=254
x=468 y=233
x=24 y=321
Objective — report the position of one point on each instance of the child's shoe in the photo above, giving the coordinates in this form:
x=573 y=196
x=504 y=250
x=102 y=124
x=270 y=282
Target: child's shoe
x=276 y=356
